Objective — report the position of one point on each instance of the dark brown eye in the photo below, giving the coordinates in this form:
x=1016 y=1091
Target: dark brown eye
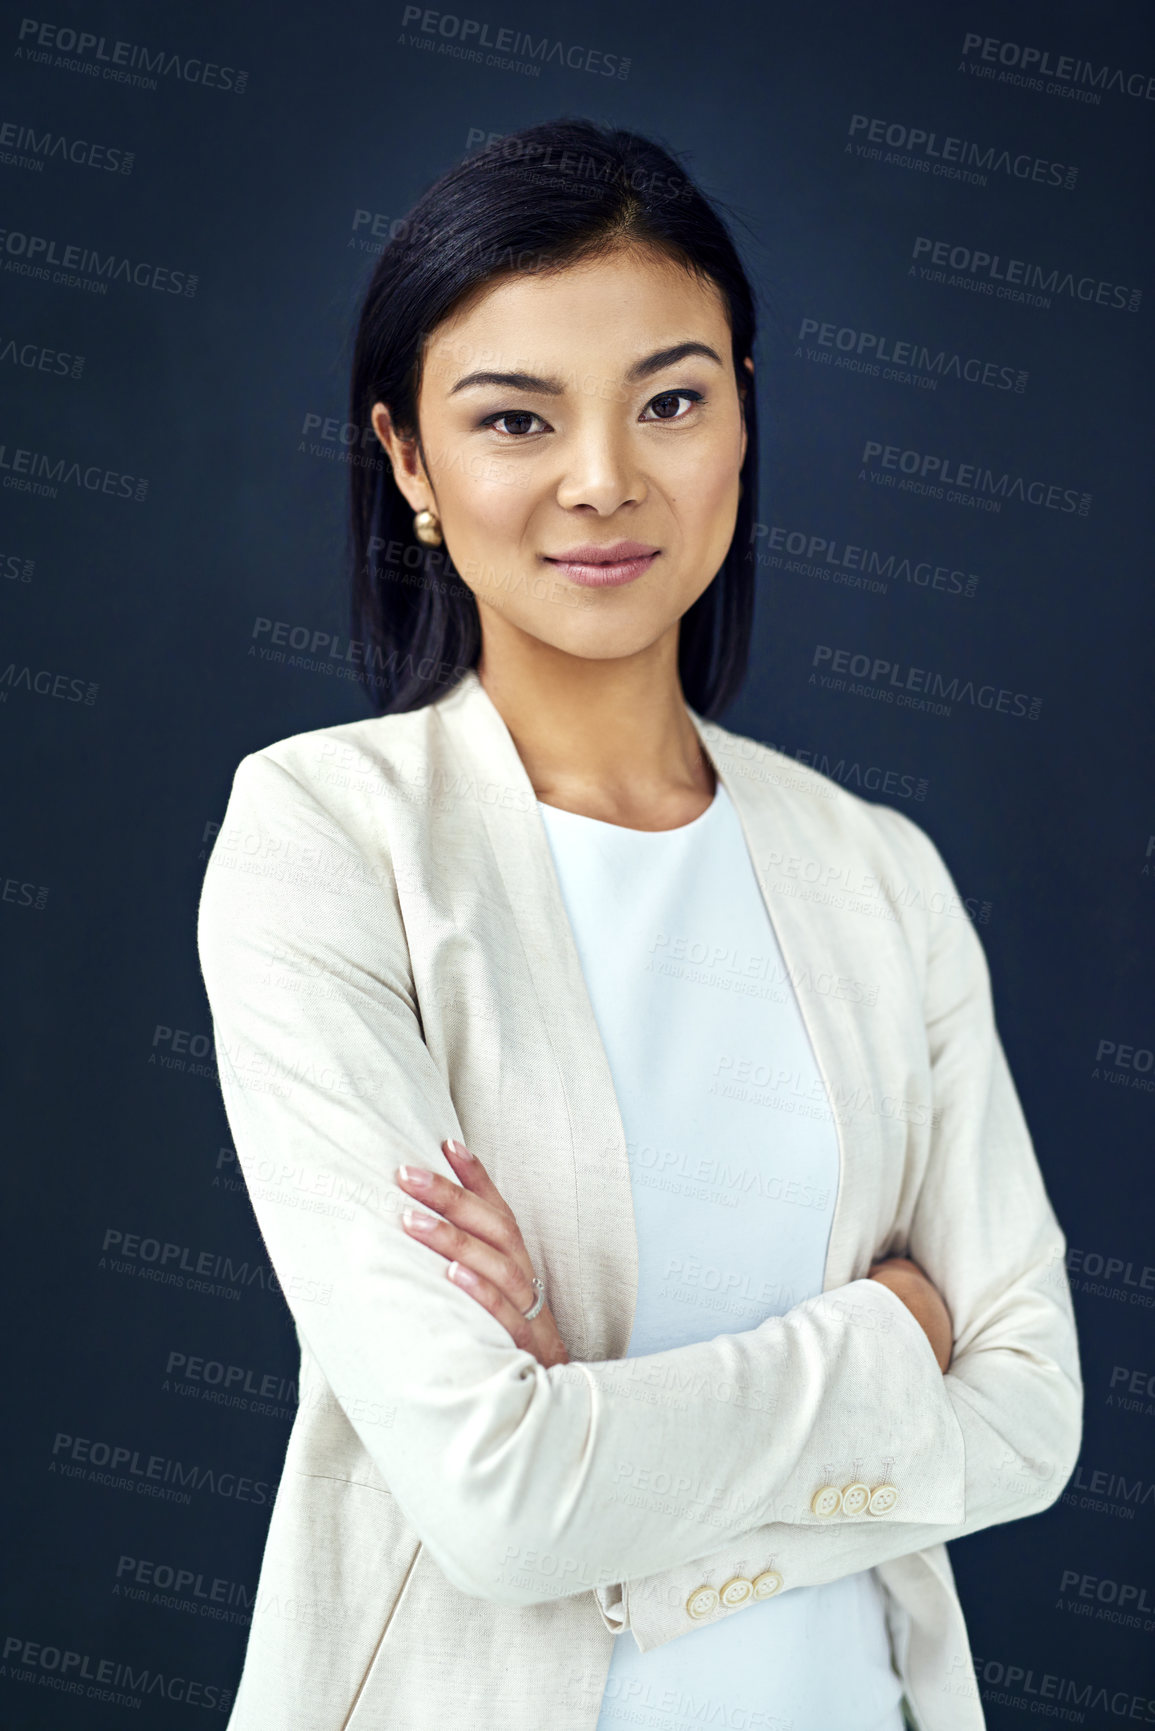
x=522 y=420
x=665 y=406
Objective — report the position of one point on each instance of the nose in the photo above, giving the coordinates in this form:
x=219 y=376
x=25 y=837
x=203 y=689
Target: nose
x=599 y=474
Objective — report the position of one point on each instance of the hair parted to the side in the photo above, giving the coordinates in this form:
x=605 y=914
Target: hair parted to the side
x=539 y=199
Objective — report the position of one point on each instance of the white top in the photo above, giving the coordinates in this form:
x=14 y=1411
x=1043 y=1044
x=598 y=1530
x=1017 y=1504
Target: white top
x=734 y=1173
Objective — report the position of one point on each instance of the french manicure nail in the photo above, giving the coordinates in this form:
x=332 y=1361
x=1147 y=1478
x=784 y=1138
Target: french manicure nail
x=417 y=1221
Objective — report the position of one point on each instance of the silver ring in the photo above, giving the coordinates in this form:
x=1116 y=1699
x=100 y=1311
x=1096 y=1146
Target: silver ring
x=538 y=1304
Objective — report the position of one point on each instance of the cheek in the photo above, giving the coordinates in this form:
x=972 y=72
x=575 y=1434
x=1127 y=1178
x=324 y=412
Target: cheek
x=484 y=496
x=704 y=487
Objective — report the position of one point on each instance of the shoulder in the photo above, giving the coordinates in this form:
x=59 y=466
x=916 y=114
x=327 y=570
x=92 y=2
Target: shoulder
x=314 y=812
x=830 y=843
x=339 y=775
x=320 y=758
x=818 y=804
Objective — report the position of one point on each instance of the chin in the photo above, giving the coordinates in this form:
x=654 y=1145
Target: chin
x=609 y=640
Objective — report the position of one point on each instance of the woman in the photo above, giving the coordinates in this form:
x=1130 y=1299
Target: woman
x=666 y=1246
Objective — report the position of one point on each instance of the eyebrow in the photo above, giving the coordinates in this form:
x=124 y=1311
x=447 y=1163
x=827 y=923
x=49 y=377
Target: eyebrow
x=644 y=369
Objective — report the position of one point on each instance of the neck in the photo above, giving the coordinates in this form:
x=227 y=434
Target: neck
x=610 y=739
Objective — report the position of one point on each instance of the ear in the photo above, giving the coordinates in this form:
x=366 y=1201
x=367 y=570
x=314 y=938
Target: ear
x=403 y=454
x=743 y=388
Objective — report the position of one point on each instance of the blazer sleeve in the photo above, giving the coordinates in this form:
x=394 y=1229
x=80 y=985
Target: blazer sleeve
x=527 y=1483
x=984 y=1231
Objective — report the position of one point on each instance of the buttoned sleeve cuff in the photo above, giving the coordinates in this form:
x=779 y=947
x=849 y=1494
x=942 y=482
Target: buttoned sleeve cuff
x=901 y=1458
x=852 y=1481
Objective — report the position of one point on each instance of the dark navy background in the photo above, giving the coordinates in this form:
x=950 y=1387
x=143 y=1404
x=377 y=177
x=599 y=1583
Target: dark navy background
x=128 y=692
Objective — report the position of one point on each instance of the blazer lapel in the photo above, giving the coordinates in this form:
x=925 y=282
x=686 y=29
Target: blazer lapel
x=817 y=948
x=574 y=1089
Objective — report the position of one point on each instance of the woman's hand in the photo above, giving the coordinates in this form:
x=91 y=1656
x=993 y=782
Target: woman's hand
x=482 y=1242
x=922 y=1298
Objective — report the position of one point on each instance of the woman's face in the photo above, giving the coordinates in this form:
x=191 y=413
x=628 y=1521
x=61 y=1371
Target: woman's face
x=591 y=413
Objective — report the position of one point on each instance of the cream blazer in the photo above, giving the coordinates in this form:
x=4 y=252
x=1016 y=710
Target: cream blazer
x=459 y=1535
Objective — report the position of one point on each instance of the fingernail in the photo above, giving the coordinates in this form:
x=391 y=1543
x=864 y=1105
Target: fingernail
x=415 y=1175
x=463 y=1276
x=459 y=1148
x=417 y=1221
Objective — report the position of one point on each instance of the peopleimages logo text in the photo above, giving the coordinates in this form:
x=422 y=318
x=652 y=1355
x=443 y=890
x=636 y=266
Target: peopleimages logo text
x=942 y=363
x=992 y=267
x=36 y=472
x=1040 y=63
x=35 y=254
x=472 y=34
x=25 y=147
x=932 y=151
x=123 y=62
x=882 y=677
x=927 y=471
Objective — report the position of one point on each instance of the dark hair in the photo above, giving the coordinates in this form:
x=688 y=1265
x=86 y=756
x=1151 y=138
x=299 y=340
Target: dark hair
x=538 y=199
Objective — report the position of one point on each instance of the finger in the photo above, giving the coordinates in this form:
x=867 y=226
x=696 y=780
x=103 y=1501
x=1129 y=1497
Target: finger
x=493 y=1223
x=493 y=1299
x=499 y=1270
x=471 y=1172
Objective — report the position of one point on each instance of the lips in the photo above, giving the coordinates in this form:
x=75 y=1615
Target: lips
x=601 y=566
x=591 y=554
